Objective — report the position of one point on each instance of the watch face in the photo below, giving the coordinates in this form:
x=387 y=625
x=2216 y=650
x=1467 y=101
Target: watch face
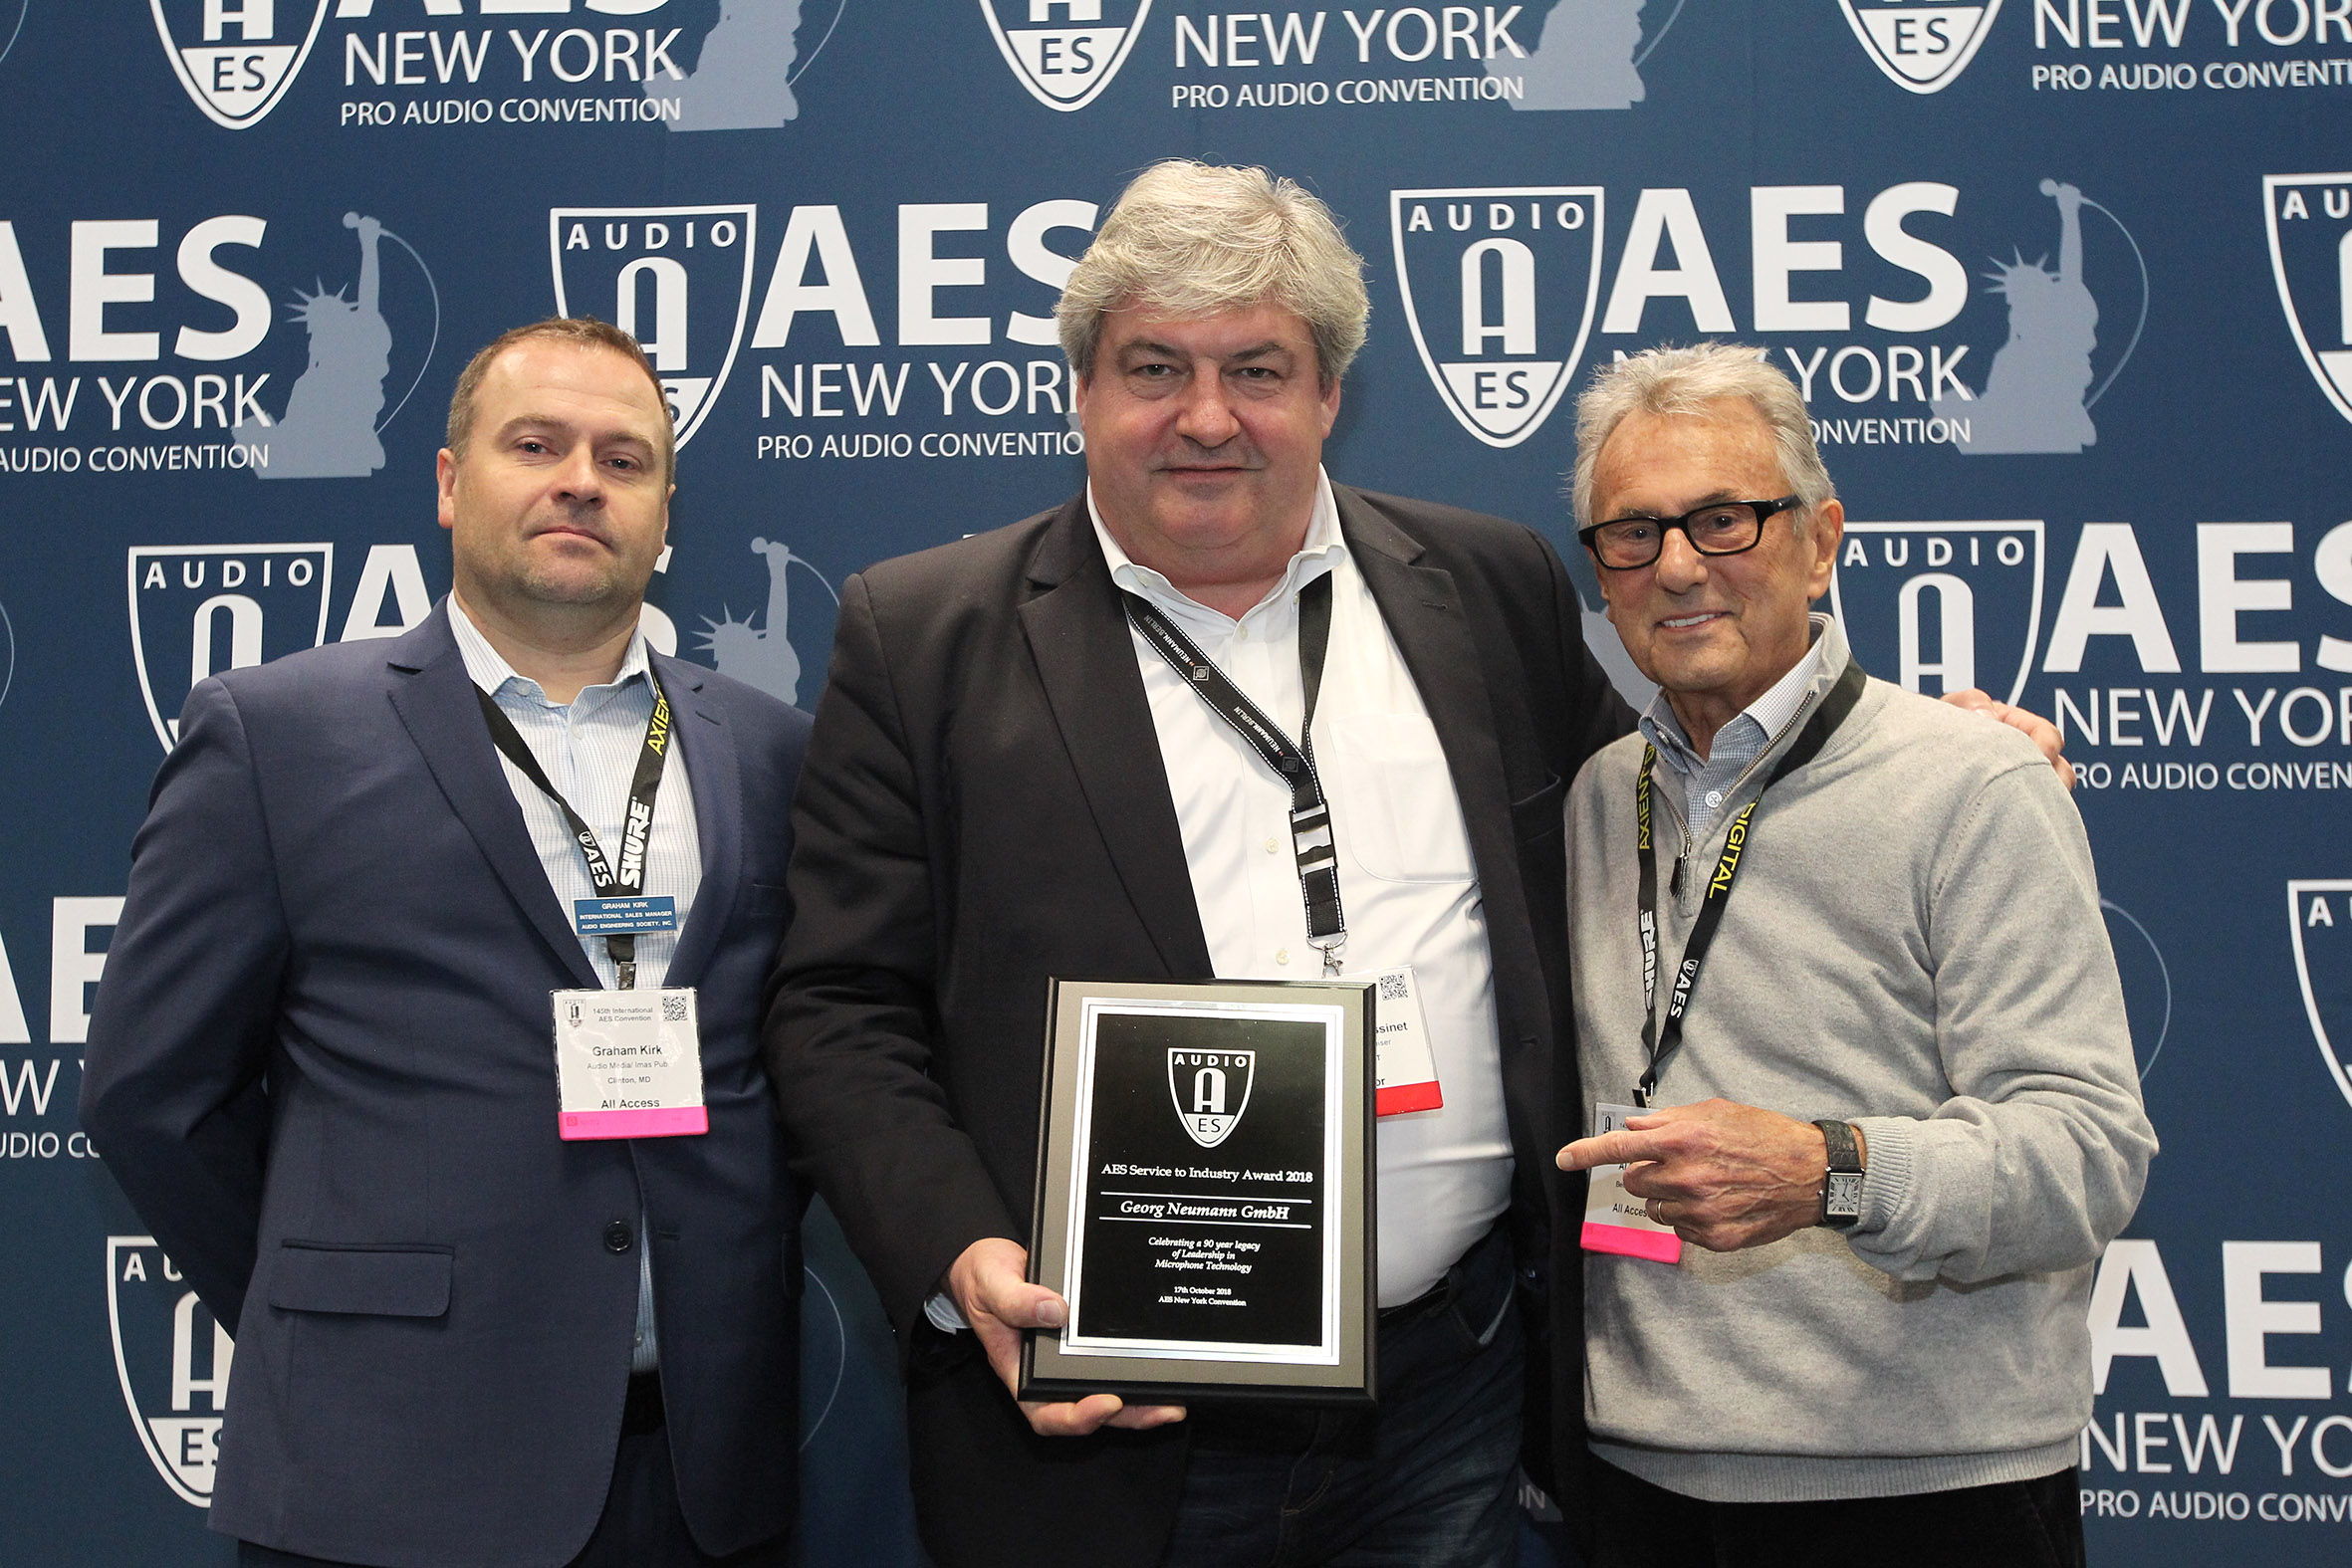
x=1844 y=1195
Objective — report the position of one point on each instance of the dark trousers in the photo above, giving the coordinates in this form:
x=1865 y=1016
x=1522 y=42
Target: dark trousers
x=641 y=1525
x=2015 y=1525
x=1426 y=1483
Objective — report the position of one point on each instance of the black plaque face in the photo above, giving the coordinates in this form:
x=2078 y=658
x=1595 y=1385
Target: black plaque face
x=1204 y=1200
x=1203 y=1207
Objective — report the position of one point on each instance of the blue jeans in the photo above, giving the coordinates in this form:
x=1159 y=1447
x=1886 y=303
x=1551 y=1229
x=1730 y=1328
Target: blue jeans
x=1427 y=1482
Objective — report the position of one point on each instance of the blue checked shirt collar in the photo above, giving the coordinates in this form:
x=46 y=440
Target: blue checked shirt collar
x=1707 y=781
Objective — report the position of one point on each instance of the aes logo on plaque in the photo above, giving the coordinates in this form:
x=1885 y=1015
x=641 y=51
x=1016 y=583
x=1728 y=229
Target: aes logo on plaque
x=1204 y=1085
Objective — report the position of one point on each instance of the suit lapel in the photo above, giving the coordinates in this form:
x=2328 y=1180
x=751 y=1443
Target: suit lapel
x=436 y=701
x=1423 y=611
x=708 y=748
x=1078 y=635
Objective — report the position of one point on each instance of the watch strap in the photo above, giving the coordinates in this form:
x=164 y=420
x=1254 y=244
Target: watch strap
x=1841 y=1184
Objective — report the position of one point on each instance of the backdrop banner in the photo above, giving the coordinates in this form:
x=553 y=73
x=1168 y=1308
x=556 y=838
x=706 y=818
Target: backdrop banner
x=2066 y=283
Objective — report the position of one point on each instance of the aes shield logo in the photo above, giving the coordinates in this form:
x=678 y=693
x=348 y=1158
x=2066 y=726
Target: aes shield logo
x=1940 y=607
x=2319 y=917
x=676 y=278
x=1921 y=45
x=1498 y=285
x=197 y=609
x=237 y=57
x=172 y=1360
x=2310 y=220
x=1065 y=51
x=1211 y=1089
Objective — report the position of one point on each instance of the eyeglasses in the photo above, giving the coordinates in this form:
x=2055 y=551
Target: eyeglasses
x=1723 y=528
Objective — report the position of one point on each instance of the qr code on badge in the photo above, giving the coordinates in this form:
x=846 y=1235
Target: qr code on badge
x=1393 y=988
x=674 y=1010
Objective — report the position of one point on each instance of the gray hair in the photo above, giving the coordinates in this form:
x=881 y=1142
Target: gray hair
x=1683 y=381
x=1192 y=239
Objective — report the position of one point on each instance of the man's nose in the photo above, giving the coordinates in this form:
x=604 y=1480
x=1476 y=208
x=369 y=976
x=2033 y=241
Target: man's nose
x=579 y=476
x=1680 y=565
x=1207 y=417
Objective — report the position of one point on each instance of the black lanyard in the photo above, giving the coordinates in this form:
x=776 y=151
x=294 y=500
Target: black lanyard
x=1660 y=1044
x=627 y=879
x=1310 y=813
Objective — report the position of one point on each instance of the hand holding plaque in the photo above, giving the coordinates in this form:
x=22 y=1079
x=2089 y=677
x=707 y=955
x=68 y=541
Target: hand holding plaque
x=1204 y=1202
x=990 y=1286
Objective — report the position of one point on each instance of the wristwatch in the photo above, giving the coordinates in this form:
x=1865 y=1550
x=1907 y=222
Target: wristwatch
x=1841 y=1188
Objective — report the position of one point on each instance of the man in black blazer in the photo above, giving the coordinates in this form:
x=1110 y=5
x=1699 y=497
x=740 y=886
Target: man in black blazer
x=321 y=1063
x=1003 y=786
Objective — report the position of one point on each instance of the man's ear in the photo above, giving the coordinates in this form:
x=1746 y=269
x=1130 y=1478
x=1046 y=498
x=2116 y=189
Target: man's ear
x=1829 y=529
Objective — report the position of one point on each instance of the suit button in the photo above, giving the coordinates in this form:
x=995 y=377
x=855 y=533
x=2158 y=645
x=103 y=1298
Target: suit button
x=619 y=1237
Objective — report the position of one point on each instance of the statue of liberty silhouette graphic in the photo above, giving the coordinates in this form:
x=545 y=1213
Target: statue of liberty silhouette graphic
x=743 y=81
x=763 y=657
x=329 y=428
x=1585 y=57
x=2033 y=398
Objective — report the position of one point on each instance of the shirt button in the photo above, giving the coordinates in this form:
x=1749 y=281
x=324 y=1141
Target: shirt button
x=618 y=1238
x=1283 y=957
x=1241 y=634
x=1272 y=846
x=1714 y=798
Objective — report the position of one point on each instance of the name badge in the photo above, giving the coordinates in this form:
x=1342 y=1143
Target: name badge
x=1405 y=1078
x=607 y=917
x=1614 y=1220
x=629 y=1065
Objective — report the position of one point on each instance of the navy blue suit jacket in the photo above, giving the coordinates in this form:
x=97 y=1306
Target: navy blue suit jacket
x=320 y=1064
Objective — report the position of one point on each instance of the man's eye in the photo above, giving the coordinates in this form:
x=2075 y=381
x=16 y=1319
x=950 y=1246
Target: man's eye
x=1725 y=522
x=1639 y=531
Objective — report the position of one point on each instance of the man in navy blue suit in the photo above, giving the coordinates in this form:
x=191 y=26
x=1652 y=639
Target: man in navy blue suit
x=397 y=912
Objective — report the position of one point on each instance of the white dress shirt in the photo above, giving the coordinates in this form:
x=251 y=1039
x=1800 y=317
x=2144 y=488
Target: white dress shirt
x=1406 y=880
x=589 y=748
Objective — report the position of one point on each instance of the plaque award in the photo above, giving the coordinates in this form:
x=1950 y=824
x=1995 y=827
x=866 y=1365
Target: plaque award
x=1203 y=1194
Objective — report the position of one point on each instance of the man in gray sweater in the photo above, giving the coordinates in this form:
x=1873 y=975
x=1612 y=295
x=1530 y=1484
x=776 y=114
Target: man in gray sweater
x=1840 y=959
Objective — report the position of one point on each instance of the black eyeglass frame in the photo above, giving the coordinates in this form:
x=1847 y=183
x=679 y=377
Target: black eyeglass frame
x=1765 y=512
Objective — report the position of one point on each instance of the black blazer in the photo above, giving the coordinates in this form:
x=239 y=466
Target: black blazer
x=334 y=896
x=984 y=809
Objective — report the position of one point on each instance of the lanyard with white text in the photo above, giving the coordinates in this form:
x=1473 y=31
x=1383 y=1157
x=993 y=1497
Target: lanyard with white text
x=1660 y=1044
x=1310 y=813
x=628 y=879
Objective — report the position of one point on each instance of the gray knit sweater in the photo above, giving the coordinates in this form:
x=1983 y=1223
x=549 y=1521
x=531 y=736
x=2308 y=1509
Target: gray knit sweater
x=1913 y=943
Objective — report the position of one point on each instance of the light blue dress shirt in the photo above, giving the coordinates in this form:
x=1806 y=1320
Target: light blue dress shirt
x=589 y=748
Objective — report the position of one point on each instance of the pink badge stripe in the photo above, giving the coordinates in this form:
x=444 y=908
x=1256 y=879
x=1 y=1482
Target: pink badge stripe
x=1660 y=1246
x=676 y=1122
x=1399 y=1098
